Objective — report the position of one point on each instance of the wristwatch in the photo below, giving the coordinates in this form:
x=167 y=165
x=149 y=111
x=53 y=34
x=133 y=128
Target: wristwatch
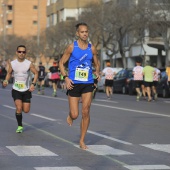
x=34 y=84
x=65 y=76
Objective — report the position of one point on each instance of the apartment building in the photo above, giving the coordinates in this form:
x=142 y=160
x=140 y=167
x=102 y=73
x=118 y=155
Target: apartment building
x=22 y=17
x=64 y=10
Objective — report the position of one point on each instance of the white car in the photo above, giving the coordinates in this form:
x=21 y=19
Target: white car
x=101 y=83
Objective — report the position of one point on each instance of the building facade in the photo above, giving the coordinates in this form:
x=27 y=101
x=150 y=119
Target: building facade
x=22 y=17
x=64 y=10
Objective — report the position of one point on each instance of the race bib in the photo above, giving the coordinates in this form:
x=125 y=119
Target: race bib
x=81 y=74
x=20 y=85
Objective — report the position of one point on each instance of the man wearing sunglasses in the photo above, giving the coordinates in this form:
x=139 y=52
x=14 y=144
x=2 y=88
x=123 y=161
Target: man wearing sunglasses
x=22 y=88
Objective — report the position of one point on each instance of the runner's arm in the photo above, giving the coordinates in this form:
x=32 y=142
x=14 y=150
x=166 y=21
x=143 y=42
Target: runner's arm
x=65 y=58
x=96 y=61
x=35 y=72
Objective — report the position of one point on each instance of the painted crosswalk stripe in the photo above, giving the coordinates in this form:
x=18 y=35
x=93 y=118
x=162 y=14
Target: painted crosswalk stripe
x=58 y=168
x=146 y=167
x=30 y=151
x=105 y=150
x=158 y=147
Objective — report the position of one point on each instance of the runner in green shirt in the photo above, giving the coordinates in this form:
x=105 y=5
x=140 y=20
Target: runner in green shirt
x=148 y=72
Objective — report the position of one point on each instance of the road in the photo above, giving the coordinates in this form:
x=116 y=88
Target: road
x=123 y=134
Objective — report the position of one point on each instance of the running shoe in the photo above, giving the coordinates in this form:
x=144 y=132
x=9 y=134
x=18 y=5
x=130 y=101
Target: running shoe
x=137 y=98
x=42 y=92
x=39 y=92
x=19 y=129
x=54 y=94
x=155 y=96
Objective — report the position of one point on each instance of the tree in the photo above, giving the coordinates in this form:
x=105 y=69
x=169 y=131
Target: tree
x=159 y=24
x=112 y=28
x=58 y=37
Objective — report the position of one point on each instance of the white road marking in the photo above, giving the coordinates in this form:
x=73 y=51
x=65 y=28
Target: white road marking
x=167 y=101
x=145 y=167
x=30 y=151
x=10 y=107
x=131 y=110
x=109 y=101
x=58 y=168
x=105 y=150
x=33 y=114
x=108 y=137
x=158 y=147
x=43 y=117
x=95 y=133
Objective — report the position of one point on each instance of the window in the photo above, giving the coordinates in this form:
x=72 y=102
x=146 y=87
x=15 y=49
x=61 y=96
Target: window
x=70 y=18
x=54 y=19
x=9 y=23
x=48 y=2
x=9 y=7
x=35 y=22
x=35 y=7
x=53 y=1
x=48 y=21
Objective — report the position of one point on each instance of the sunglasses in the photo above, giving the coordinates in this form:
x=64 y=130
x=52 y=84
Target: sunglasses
x=21 y=52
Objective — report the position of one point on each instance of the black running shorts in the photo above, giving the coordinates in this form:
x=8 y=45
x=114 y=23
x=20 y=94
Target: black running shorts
x=79 y=89
x=24 y=96
x=138 y=83
x=109 y=83
x=148 y=84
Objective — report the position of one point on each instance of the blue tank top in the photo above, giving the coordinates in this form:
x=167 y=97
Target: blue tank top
x=80 y=65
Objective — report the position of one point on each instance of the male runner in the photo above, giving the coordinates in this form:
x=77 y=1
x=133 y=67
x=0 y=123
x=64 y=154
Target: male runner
x=79 y=81
x=155 y=81
x=21 y=89
x=109 y=73
x=54 y=70
x=41 y=77
x=138 y=80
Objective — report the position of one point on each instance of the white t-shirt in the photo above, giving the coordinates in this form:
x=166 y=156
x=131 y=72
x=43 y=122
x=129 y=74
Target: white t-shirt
x=156 y=75
x=109 y=73
x=21 y=72
x=138 y=73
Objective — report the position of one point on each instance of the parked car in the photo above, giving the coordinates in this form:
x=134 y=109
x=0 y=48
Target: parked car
x=101 y=83
x=131 y=86
x=163 y=87
x=122 y=80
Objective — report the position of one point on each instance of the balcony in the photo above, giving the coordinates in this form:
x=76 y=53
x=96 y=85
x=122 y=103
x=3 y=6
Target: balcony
x=156 y=42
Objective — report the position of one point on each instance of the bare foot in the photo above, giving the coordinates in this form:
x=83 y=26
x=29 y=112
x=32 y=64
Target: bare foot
x=83 y=146
x=69 y=120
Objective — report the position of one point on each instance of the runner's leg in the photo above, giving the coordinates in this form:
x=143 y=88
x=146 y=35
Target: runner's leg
x=74 y=109
x=86 y=103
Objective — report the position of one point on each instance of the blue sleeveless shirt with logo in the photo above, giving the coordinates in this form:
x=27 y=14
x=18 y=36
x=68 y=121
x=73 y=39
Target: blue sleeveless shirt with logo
x=80 y=65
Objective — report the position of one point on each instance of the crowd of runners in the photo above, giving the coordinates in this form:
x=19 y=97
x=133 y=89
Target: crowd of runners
x=79 y=81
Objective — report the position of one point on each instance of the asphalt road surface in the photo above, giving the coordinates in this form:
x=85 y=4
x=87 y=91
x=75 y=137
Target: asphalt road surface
x=123 y=134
